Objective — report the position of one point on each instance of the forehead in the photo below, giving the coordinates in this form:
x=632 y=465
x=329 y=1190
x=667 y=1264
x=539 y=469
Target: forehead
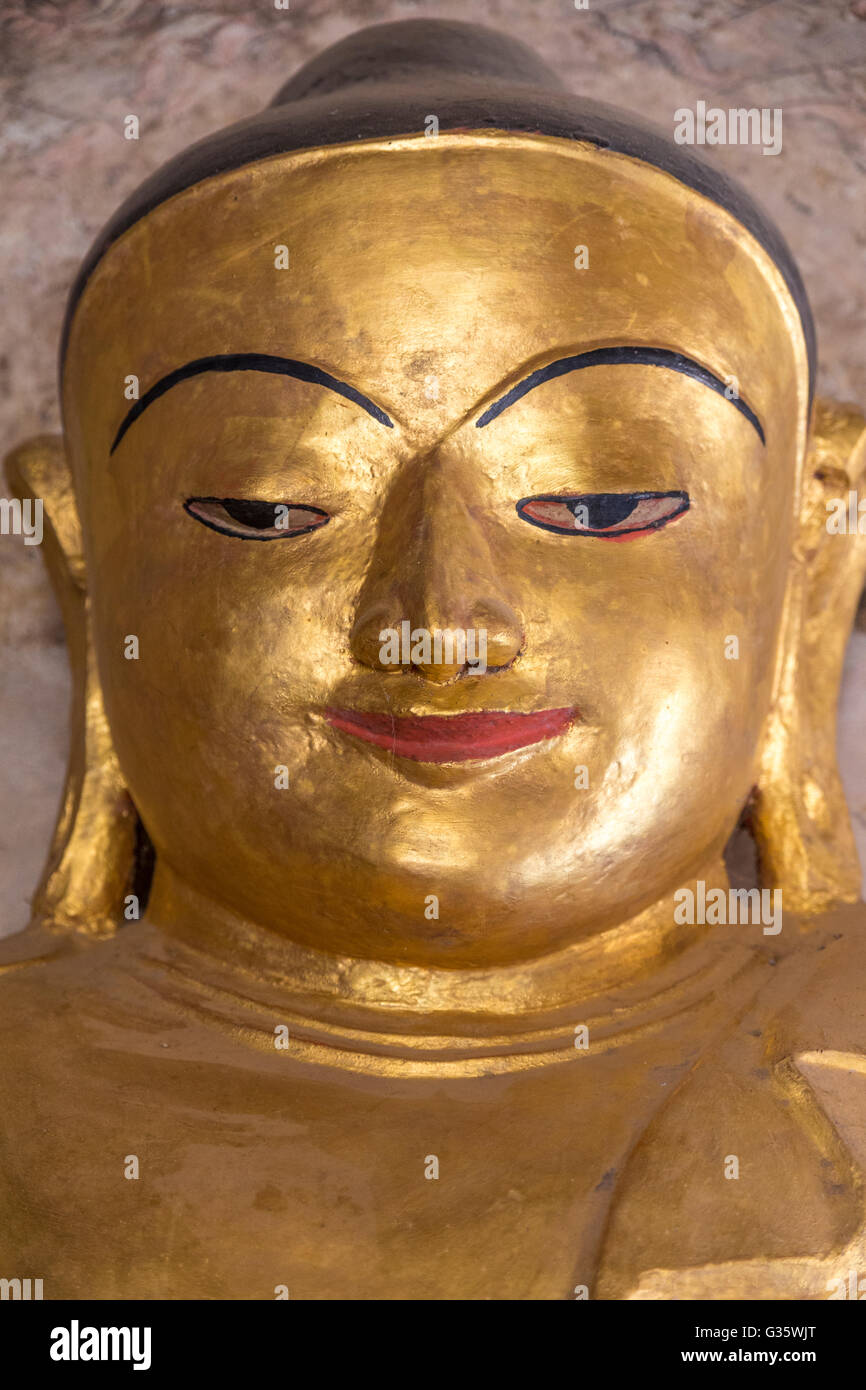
x=428 y=272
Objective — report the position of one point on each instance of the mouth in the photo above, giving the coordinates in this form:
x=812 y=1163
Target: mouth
x=451 y=738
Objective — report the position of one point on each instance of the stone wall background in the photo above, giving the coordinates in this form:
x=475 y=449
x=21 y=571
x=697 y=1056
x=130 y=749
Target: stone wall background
x=70 y=72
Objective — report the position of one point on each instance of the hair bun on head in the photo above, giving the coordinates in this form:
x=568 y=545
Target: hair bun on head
x=383 y=82
x=410 y=51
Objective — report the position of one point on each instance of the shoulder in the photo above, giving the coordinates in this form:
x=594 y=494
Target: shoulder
x=48 y=984
x=824 y=1004
x=776 y=1106
x=33 y=945
x=36 y=954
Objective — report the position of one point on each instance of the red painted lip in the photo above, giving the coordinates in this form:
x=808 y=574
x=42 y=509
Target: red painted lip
x=451 y=738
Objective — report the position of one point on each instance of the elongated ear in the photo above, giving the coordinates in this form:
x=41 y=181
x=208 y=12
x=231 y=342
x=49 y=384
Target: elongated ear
x=800 y=818
x=90 y=863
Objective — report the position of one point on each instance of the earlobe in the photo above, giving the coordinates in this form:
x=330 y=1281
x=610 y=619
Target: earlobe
x=91 y=860
x=800 y=817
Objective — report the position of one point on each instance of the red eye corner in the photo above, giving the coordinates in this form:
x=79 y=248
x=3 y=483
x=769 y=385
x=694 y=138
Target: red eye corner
x=614 y=516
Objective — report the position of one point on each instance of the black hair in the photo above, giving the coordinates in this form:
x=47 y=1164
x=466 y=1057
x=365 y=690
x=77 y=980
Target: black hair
x=384 y=80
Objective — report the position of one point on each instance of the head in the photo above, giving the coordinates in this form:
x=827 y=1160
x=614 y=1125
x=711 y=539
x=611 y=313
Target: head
x=549 y=395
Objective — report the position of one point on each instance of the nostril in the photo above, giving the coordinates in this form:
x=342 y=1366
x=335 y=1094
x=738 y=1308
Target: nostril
x=366 y=640
x=439 y=649
x=504 y=631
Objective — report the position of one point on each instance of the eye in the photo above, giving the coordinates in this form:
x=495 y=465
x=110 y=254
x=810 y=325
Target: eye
x=607 y=515
x=255 y=521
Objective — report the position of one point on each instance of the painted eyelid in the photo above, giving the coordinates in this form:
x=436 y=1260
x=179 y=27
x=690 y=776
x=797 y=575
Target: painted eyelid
x=228 y=525
x=644 y=502
x=677 y=496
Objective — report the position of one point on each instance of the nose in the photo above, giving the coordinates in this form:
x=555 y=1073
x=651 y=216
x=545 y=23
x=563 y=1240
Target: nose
x=434 y=569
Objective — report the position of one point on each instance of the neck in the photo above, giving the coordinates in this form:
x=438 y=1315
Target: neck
x=632 y=960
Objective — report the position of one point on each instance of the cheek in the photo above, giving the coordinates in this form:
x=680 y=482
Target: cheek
x=221 y=694
x=668 y=643
x=229 y=624
x=234 y=669
x=211 y=736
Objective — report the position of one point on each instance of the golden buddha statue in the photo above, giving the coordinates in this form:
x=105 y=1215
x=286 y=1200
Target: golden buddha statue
x=440 y=988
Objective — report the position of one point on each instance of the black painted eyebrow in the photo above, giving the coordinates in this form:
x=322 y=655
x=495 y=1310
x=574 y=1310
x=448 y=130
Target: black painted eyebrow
x=250 y=362
x=617 y=356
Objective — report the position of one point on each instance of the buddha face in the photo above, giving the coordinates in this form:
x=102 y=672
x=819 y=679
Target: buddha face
x=383 y=394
